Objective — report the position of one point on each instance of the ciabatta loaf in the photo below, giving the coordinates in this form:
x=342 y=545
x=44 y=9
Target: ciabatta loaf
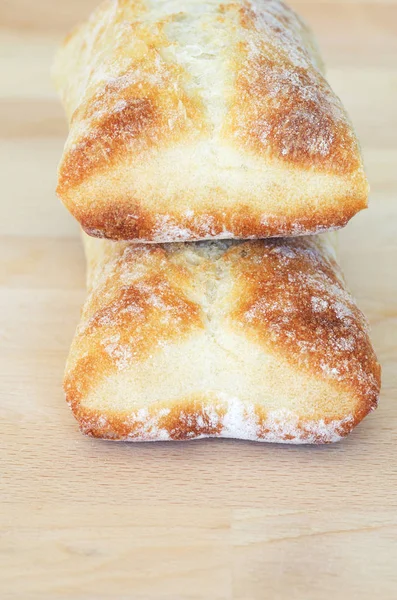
x=253 y=340
x=194 y=119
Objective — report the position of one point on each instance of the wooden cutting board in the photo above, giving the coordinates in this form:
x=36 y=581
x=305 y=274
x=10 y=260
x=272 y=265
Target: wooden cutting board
x=84 y=519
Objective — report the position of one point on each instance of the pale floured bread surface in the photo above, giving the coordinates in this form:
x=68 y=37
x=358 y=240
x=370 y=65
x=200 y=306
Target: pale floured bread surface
x=256 y=340
x=194 y=119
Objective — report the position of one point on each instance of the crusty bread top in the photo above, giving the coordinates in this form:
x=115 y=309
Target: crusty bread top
x=186 y=328
x=195 y=119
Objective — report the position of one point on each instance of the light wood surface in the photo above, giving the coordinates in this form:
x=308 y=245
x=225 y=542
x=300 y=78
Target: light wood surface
x=84 y=519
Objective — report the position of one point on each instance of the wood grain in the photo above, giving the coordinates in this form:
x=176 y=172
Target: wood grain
x=84 y=519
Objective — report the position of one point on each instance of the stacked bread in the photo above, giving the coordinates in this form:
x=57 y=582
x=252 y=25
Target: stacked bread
x=205 y=145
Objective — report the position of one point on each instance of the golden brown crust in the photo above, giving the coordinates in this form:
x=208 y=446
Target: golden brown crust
x=123 y=118
x=284 y=104
x=282 y=304
x=126 y=219
x=97 y=149
x=198 y=116
x=293 y=298
x=123 y=321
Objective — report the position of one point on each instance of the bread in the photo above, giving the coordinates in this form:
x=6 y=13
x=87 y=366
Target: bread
x=196 y=120
x=256 y=340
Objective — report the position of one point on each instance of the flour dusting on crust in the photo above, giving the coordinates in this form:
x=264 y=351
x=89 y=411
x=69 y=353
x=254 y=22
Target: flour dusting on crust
x=255 y=313
x=225 y=418
x=215 y=108
x=304 y=307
